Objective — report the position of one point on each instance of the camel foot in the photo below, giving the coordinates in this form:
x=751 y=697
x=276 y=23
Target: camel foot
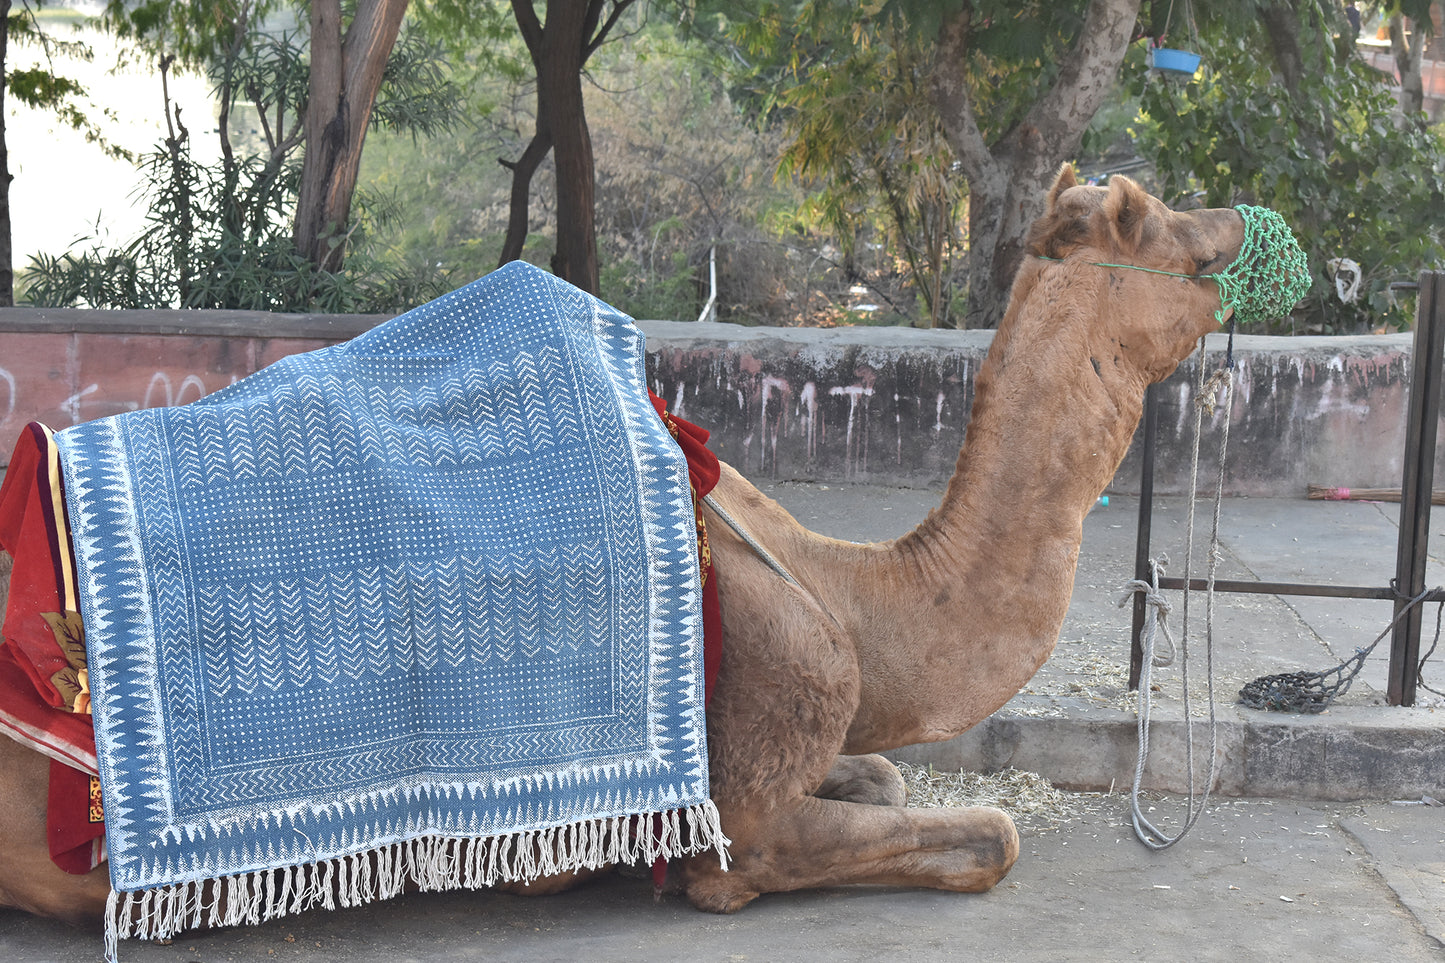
x=871 y=780
x=716 y=895
x=981 y=856
x=549 y=885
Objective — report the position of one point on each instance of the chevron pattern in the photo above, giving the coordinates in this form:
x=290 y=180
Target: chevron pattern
x=441 y=579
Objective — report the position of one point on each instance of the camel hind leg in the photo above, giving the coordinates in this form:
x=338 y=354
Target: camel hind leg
x=828 y=842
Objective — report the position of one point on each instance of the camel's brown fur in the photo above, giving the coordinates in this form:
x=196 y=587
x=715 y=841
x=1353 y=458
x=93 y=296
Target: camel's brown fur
x=902 y=642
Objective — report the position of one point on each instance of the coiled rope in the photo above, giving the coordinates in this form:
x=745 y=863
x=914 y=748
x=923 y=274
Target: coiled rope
x=1157 y=608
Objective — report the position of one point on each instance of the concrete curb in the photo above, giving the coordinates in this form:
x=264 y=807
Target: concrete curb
x=1343 y=754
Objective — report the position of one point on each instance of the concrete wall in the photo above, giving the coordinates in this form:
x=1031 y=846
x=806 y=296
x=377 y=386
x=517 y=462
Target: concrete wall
x=866 y=405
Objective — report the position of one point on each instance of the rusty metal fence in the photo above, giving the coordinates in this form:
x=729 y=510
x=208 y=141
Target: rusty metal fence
x=1417 y=485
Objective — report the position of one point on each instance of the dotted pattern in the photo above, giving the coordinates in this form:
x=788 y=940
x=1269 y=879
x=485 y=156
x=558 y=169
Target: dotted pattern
x=372 y=590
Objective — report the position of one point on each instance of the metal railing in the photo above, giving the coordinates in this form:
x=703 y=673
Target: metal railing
x=1417 y=483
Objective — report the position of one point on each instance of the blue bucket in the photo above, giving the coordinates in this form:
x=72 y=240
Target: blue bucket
x=1174 y=61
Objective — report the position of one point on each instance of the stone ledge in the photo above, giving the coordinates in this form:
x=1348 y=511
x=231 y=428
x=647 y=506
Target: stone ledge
x=882 y=406
x=1347 y=753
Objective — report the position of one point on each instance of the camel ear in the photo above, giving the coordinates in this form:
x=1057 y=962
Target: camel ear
x=1126 y=207
x=1063 y=182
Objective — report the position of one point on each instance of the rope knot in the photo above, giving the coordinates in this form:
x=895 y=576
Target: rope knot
x=1155 y=624
x=1208 y=398
x=1152 y=596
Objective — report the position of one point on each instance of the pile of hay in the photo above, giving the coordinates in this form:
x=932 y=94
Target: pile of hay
x=1030 y=799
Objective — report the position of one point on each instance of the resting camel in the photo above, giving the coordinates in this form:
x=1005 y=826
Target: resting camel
x=874 y=647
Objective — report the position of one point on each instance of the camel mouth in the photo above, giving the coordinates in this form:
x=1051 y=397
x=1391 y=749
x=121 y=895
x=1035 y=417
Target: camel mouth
x=1269 y=275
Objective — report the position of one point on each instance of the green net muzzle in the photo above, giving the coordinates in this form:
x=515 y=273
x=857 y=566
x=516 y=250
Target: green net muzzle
x=1268 y=276
x=1265 y=280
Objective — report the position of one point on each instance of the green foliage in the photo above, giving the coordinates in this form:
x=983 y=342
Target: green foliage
x=1332 y=157
x=862 y=138
x=220 y=236
x=864 y=132
x=678 y=170
x=850 y=85
x=217 y=242
x=41 y=88
x=681 y=180
x=478 y=37
x=194 y=33
x=667 y=291
x=417 y=95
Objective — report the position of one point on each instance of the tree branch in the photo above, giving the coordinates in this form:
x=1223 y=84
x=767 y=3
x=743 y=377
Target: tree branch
x=530 y=27
x=600 y=37
x=1087 y=74
x=948 y=89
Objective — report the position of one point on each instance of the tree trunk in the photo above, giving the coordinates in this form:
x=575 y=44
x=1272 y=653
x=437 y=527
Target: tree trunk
x=559 y=50
x=1007 y=179
x=7 y=253
x=522 y=171
x=1408 y=55
x=560 y=75
x=1281 y=26
x=346 y=71
x=1284 y=22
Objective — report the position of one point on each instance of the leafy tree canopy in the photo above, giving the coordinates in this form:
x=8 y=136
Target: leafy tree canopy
x=219 y=237
x=1321 y=144
x=41 y=88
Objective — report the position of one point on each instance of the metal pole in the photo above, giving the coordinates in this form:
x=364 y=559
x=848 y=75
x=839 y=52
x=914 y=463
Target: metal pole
x=1418 y=480
x=1293 y=588
x=1141 y=543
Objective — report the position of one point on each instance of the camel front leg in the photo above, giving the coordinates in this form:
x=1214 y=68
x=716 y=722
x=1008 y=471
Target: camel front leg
x=869 y=779
x=828 y=842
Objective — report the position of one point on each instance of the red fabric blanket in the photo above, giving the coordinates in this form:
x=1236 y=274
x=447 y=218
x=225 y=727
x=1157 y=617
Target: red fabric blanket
x=44 y=699
x=703 y=471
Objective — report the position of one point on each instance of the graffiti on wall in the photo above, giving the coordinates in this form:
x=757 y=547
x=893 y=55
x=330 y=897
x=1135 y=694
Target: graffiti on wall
x=64 y=379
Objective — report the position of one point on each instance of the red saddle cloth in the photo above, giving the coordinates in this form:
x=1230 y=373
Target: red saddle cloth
x=44 y=699
x=703 y=471
x=702 y=474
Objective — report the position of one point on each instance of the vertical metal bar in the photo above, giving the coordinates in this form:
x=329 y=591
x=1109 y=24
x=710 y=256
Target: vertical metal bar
x=1416 y=484
x=1141 y=544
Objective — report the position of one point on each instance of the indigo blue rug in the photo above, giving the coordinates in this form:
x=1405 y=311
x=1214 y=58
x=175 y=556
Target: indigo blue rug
x=420 y=607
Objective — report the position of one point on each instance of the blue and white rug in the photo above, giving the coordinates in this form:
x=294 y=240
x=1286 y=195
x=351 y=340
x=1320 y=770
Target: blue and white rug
x=420 y=607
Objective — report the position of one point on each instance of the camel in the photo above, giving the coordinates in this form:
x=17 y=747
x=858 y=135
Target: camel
x=878 y=646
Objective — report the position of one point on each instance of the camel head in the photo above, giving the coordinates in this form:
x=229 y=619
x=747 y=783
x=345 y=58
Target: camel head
x=1096 y=252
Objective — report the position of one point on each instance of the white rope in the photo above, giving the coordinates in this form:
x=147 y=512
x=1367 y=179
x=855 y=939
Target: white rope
x=1156 y=610
x=751 y=542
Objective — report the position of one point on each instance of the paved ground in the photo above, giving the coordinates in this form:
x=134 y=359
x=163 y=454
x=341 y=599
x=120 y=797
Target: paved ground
x=1283 y=876
x=1254 y=879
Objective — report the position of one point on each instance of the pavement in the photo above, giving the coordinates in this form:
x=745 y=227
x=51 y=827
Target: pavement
x=1320 y=840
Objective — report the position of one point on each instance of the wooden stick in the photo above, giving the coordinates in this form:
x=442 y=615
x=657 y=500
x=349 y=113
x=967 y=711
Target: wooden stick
x=1321 y=492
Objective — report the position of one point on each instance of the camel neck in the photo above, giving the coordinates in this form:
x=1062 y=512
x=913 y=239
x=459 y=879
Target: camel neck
x=1049 y=426
x=988 y=575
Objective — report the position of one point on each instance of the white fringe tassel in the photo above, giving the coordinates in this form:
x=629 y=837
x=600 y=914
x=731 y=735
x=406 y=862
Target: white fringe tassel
x=432 y=863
